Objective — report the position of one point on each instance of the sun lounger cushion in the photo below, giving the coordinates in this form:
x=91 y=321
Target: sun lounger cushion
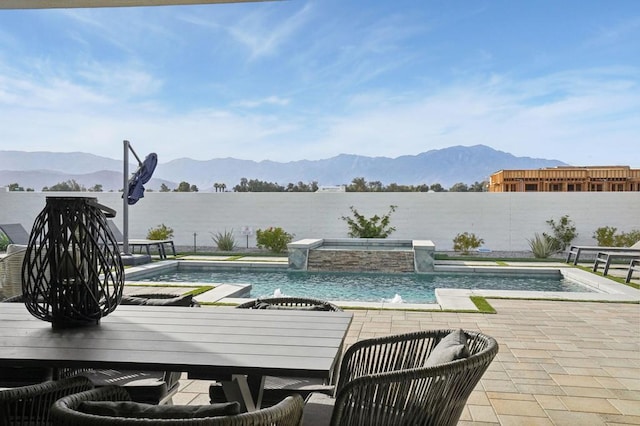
x=450 y=348
x=184 y=300
x=147 y=411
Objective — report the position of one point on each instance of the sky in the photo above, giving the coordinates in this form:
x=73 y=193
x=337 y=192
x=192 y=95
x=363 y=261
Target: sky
x=297 y=79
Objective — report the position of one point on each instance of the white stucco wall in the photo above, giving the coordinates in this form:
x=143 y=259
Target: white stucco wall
x=504 y=220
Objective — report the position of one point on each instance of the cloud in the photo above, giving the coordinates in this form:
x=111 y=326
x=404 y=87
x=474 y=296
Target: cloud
x=595 y=109
x=271 y=100
x=258 y=31
x=623 y=31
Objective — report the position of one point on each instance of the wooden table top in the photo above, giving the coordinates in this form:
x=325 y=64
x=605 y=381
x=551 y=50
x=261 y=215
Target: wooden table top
x=205 y=342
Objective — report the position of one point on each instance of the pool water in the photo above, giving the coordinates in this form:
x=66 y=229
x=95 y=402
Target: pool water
x=368 y=287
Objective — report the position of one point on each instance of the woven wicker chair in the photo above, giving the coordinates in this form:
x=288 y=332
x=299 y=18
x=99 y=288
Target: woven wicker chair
x=11 y=377
x=277 y=388
x=11 y=274
x=30 y=405
x=151 y=387
x=298 y=303
x=383 y=382
x=65 y=413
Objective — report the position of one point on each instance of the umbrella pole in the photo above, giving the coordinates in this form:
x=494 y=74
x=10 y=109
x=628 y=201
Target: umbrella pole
x=125 y=206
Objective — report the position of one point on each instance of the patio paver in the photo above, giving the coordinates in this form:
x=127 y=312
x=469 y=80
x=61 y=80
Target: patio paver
x=560 y=363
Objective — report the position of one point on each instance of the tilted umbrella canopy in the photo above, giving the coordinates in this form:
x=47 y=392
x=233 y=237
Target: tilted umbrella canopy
x=140 y=177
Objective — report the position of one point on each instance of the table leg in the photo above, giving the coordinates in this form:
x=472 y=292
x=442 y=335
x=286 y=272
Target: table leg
x=246 y=390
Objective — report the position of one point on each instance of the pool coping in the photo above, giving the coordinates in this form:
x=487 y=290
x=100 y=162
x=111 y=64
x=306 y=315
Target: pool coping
x=605 y=289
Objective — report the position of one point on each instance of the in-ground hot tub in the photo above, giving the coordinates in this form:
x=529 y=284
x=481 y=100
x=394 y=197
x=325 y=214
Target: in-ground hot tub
x=361 y=254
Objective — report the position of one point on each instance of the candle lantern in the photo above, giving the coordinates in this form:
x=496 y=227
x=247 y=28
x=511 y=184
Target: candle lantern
x=72 y=273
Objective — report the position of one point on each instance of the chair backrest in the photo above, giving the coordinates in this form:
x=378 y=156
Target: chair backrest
x=295 y=303
x=30 y=405
x=115 y=231
x=65 y=412
x=11 y=274
x=385 y=379
x=15 y=232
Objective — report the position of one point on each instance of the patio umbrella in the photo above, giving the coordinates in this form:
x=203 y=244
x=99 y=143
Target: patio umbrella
x=135 y=190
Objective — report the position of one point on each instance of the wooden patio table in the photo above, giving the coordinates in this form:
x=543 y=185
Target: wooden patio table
x=238 y=347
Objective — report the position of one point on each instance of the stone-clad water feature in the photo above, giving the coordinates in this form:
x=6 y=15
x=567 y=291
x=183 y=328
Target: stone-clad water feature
x=361 y=255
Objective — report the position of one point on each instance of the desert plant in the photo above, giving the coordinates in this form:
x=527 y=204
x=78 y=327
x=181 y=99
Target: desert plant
x=224 y=240
x=605 y=236
x=541 y=246
x=273 y=239
x=563 y=233
x=373 y=227
x=466 y=241
x=160 y=232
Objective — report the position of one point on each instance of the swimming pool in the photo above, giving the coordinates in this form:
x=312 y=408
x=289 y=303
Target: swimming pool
x=367 y=287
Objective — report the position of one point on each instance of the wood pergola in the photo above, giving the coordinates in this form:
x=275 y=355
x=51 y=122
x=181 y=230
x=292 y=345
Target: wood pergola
x=58 y=4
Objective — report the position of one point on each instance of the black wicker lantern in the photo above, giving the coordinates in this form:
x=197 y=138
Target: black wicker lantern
x=72 y=274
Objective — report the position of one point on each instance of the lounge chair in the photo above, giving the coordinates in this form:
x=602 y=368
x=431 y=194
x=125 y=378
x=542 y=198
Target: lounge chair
x=15 y=232
x=11 y=273
x=578 y=250
x=143 y=243
x=634 y=265
x=420 y=378
x=606 y=257
x=110 y=405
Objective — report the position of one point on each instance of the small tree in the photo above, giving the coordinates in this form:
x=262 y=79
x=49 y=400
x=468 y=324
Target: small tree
x=70 y=185
x=465 y=242
x=459 y=187
x=186 y=187
x=563 y=233
x=160 y=232
x=15 y=187
x=273 y=239
x=373 y=227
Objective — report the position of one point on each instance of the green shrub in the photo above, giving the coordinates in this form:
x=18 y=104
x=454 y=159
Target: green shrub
x=466 y=241
x=605 y=236
x=563 y=233
x=627 y=239
x=4 y=241
x=224 y=240
x=273 y=239
x=160 y=232
x=373 y=227
x=541 y=246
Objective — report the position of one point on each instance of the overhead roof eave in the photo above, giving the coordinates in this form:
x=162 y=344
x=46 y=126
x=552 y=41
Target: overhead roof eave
x=57 y=4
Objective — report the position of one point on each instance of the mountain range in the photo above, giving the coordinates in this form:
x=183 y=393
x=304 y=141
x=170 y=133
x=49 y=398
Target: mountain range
x=466 y=164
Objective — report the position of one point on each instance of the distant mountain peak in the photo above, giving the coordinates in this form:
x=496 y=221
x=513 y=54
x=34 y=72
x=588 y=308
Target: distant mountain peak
x=447 y=166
